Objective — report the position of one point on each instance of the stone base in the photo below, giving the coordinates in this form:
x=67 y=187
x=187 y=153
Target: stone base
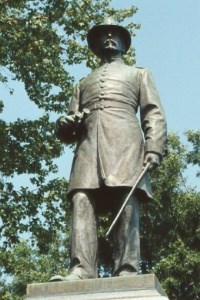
x=141 y=287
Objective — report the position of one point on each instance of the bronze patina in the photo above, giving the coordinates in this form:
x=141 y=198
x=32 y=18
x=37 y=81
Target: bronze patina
x=111 y=151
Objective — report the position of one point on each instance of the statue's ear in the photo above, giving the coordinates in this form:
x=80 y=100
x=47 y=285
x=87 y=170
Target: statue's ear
x=123 y=49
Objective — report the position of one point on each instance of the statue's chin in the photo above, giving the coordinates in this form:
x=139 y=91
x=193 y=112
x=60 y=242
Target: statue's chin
x=111 y=51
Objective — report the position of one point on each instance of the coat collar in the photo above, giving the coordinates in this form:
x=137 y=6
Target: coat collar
x=113 y=60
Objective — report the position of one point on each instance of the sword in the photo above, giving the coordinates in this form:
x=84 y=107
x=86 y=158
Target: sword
x=127 y=198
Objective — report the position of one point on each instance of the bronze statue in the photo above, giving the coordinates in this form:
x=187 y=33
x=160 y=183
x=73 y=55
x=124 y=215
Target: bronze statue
x=111 y=151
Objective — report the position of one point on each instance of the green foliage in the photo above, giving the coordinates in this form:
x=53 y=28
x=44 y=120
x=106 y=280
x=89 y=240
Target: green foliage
x=179 y=271
x=26 y=141
x=28 y=265
x=194 y=155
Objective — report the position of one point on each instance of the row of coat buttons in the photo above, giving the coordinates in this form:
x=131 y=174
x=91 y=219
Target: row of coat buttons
x=100 y=104
x=102 y=80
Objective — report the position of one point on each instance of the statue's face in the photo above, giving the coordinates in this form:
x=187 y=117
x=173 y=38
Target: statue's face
x=111 y=43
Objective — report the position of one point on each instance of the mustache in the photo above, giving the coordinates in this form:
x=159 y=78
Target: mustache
x=110 y=42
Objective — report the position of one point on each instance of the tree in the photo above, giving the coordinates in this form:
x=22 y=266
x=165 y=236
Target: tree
x=193 y=156
x=39 y=40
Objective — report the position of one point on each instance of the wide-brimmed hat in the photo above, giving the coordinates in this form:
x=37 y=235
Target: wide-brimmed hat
x=109 y=23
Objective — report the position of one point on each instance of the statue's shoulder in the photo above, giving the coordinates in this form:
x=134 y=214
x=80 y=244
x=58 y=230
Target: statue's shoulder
x=134 y=67
x=88 y=77
x=142 y=70
x=138 y=67
x=82 y=79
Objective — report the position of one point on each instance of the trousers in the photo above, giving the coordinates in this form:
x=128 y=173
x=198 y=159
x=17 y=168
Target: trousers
x=84 y=238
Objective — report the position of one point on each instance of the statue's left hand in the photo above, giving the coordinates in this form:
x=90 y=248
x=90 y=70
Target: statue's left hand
x=153 y=158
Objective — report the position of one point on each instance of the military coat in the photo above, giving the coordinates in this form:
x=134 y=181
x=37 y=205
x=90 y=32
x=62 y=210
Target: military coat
x=111 y=149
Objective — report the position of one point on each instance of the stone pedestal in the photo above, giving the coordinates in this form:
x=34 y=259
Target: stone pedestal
x=141 y=287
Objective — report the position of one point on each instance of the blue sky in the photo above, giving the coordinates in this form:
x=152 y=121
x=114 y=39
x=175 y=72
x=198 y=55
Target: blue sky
x=168 y=44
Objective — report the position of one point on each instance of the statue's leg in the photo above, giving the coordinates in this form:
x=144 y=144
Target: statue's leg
x=126 y=240
x=83 y=244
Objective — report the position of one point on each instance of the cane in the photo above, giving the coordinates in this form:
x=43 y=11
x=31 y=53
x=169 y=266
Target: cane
x=127 y=198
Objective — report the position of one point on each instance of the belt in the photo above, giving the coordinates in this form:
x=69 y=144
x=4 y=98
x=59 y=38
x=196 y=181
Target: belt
x=105 y=104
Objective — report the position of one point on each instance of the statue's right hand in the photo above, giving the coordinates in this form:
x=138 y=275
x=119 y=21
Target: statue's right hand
x=65 y=129
x=63 y=120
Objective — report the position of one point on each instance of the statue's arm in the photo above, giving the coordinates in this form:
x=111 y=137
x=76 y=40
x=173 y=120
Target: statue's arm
x=66 y=127
x=74 y=105
x=153 y=120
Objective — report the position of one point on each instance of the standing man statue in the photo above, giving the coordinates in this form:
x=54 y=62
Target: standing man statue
x=111 y=152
